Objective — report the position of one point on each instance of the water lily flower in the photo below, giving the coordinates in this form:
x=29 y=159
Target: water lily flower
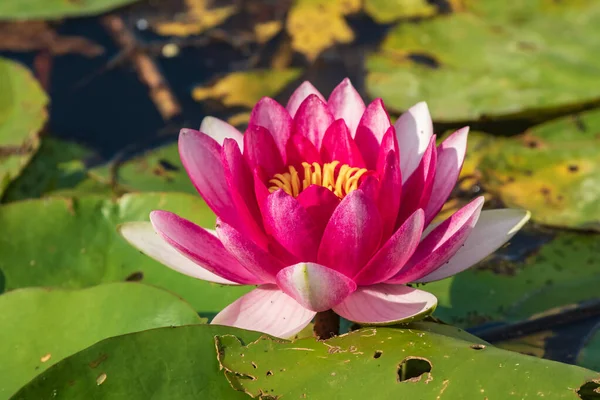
x=324 y=204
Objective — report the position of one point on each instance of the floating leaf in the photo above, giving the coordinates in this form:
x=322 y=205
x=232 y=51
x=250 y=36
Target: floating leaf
x=265 y=31
x=485 y=62
x=388 y=363
x=73 y=243
x=22 y=115
x=563 y=270
x=386 y=11
x=42 y=326
x=169 y=363
x=56 y=9
x=553 y=170
x=316 y=25
x=159 y=169
x=57 y=165
x=589 y=356
x=200 y=15
x=246 y=88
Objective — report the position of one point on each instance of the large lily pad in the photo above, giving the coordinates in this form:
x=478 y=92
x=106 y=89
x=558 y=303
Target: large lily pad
x=169 y=363
x=56 y=9
x=378 y=363
x=388 y=363
x=492 y=60
x=73 y=243
x=41 y=326
x=553 y=170
x=22 y=115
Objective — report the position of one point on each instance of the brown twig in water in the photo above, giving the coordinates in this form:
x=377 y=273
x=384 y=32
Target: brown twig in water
x=147 y=70
x=327 y=325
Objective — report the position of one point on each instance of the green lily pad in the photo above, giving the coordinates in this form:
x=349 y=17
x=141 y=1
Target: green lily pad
x=561 y=273
x=589 y=356
x=56 y=9
x=388 y=363
x=43 y=326
x=377 y=363
x=385 y=11
x=158 y=169
x=553 y=170
x=169 y=363
x=56 y=166
x=22 y=115
x=491 y=60
x=73 y=243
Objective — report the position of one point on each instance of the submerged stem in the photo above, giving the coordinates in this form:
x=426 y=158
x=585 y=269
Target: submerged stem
x=327 y=325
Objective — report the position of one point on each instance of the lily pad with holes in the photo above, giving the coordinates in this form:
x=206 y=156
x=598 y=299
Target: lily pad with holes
x=553 y=170
x=56 y=9
x=377 y=363
x=158 y=169
x=73 y=243
x=43 y=326
x=57 y=165
x=487 y=60
x=22 y=115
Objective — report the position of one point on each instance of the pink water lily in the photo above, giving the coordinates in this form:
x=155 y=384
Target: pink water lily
x=324 y=204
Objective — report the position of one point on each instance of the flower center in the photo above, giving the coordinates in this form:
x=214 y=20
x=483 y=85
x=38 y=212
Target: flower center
x=341 y=180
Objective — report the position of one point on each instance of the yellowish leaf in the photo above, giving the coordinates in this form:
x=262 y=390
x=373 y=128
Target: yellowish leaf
x=198 y=18
x=267 y=30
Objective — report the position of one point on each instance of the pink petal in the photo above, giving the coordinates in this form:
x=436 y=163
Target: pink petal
x=300 y=149
x=345 y=102
x=261 y=192
x=416 y=192
x=256 y=260
x=315 y=286
x=352 y=234
x=390 y=192
x=240 y=182
x=300 y=94
x=312 y=119
x=201 y=158
x=320 y=203
x=142 y=236
x=221 y=130
x=261 y=150
x=291 y=226
x=338 y=145
x=450 y=157
x=266 y=309
x=372 y=127
x=200 y=246
x=394 y=253
x=414 y=129
x=386 y=305
x=441 y=244
x=272 y=116
x=493 y=229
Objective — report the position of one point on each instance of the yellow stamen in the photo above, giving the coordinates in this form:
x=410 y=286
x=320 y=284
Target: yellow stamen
x=340 y=181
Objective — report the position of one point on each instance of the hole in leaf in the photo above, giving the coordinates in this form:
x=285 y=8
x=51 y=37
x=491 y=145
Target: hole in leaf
x=411 y=369
x=424 y=59
x=478 y=346
x=269 y=373
x=135 y=277
x=167 y=165
x=377 y=354
x=589 y=391
x=253 y=365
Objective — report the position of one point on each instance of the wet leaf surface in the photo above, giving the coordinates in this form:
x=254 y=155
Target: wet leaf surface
x=22 y=115
x=37 y=256
x=491 y=60
x=73 y=320
x=384 y=11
